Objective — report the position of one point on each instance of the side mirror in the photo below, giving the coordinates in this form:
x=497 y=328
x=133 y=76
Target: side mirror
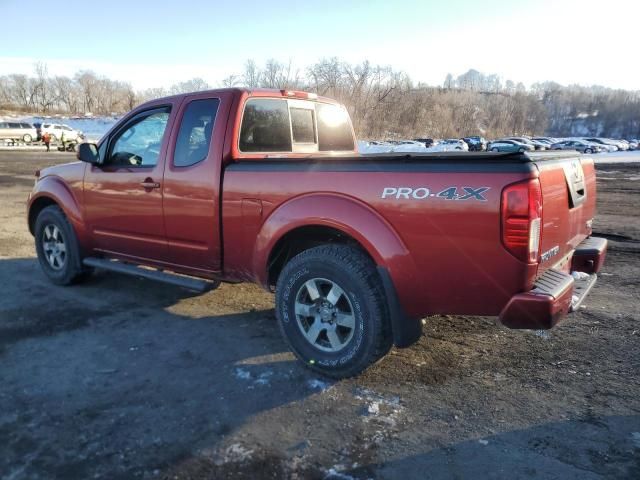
x=88 y=152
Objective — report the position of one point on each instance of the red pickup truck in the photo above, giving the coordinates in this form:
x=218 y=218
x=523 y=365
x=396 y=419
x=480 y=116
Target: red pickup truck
x=266 y=186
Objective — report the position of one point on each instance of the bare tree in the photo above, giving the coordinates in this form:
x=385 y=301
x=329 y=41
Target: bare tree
x=251 y=76
x=193 y=85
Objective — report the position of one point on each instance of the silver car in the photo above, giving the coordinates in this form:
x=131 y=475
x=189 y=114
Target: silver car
x=20 y=131
x=577 y=145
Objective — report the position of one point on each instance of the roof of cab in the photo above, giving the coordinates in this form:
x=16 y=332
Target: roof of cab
x=248 y=92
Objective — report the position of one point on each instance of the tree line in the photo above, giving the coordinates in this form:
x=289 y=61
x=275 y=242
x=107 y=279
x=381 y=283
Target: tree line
x=384 y=103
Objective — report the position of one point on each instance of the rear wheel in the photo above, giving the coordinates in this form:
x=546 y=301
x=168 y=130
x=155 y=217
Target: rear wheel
x=588 y=150
x=331 y=309
x=494 y=149
x=57 y=247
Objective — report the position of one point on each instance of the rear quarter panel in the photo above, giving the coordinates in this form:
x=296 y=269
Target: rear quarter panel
x=457 y=262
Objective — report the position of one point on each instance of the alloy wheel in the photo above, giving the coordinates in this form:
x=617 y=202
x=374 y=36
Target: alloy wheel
x=324 y=314
x=54 y=247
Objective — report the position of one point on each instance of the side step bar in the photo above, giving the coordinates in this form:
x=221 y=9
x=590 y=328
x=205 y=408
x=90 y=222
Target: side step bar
x=190 y=283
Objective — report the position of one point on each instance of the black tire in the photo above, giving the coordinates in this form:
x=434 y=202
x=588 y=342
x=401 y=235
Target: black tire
x=360 y=283
x=70 y=270
x=588 y=150
x=495 y=149
x=521 y=150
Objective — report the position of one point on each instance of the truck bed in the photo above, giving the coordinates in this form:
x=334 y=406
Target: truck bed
x=447 y=239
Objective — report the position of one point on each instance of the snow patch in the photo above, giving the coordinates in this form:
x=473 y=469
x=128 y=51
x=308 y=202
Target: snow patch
x=543 y=334
x=234 y=453
x=382 y=409
x=260 y=379
x=334 y=474
x=315 y=384
x=243 y=374
x=580 y=275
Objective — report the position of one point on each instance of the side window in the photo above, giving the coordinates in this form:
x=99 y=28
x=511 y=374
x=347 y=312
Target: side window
x=334 y=130
x=302 y=125
x=14 y=125
x=196 y=128
x=138 y=144
x=265 y=126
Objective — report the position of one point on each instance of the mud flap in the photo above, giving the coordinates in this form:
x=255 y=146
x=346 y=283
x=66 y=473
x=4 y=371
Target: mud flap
x=406 y=331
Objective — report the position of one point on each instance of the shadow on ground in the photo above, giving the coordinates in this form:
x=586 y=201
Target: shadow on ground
x=103 y=379
x=588 y=448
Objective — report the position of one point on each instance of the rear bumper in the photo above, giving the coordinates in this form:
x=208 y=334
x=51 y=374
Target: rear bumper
x=589 y=256
x=556 y=293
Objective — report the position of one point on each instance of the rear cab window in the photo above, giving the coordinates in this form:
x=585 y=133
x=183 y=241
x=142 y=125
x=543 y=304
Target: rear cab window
x=274 y=125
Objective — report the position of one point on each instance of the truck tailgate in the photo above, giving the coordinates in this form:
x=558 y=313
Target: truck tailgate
x=568 y=186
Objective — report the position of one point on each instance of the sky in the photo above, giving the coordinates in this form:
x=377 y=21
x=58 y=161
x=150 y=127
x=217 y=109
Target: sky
x=158 y=43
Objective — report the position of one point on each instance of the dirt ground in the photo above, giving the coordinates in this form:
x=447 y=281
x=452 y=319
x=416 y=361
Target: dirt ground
x=125 y=378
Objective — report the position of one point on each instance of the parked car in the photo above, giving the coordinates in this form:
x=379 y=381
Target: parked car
x=577 y=145
x=409 y=146
x=509 y=146
x=451 y=144
x=428 y=142
x=536 y=145
x=605 y=145
x=621 y=144
x=57 y=131
x=545 y=141
x=20 y=131
x=265 y=186
x=476 y=143
x=366 y=147
x=633 y=143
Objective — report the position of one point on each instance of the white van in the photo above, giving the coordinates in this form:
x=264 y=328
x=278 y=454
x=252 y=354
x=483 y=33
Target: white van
x=20 y=131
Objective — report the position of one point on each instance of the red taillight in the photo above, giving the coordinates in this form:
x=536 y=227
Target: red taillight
x=521 y=217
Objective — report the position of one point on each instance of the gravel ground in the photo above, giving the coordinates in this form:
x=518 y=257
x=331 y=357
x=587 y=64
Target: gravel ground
x=124 y=378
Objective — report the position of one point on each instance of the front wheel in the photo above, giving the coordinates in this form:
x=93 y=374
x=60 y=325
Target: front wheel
x=521 y=150
x=588 y=150
x=27 y=138
x=331 y=308
x=494 y=149
x=57 y=247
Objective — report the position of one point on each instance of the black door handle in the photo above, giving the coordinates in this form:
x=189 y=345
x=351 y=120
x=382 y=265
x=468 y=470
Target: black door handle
x=149 y=184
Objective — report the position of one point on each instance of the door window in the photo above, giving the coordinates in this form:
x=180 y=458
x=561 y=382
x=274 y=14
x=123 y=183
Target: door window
x=138 y=144
x=196 y=128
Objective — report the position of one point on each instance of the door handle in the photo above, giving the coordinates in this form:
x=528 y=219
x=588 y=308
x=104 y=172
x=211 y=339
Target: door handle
x=149 y=183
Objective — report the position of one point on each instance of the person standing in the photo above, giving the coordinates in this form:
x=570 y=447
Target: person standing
x=46 y=138
x=62 y=141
